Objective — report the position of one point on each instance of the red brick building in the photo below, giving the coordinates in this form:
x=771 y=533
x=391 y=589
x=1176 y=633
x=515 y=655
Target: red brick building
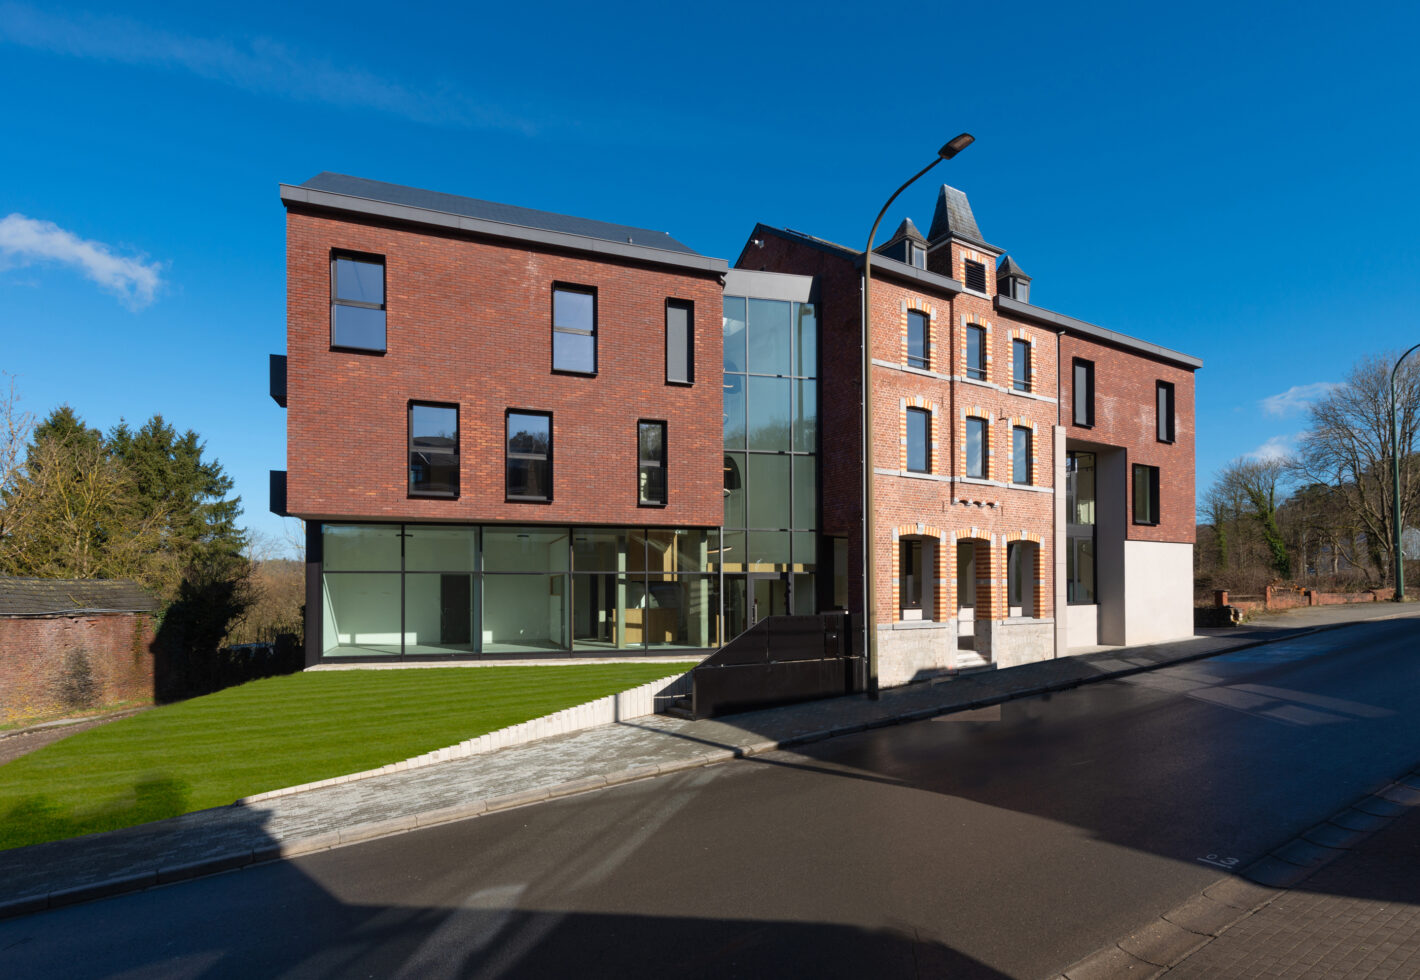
x=511 y=431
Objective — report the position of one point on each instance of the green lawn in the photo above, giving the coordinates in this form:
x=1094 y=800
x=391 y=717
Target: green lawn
x=278 y=732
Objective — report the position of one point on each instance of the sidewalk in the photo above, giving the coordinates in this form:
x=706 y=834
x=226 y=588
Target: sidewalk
x=223 y=838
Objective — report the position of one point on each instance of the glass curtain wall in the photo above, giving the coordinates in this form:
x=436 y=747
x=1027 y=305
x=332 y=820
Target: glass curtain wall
x=414 y=590
x=770 y=541
x=1080 y=528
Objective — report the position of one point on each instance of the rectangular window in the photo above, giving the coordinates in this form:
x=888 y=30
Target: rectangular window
x=919 y=435
x=1146 y=494
x=529 y=455
x=651 y=463
x=1163 y=400
x=433 y=450
x=976 y=353
x=1083 y=392
x=1021 y=450
x=916 y=256
x=976 y=448
x=574 y=329
x=917 y=339
x=1020 y=365
x=975 y=276
x=680 y=342
x=357 y=302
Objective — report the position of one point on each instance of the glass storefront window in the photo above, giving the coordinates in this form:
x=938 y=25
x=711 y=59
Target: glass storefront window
x=604 y=550
x=681 y=611
x=361 y=615
x=361 y=547
x=677 y=550
x=438 y=613
x=599 y=612
x=524 y=613
x=805 y=550
x=731 y=557
x=768 y=483
x=524 y=549
x=768 y=550
x=440 y=549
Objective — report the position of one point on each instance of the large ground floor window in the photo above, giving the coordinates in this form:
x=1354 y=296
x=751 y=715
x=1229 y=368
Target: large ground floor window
x=410 y=590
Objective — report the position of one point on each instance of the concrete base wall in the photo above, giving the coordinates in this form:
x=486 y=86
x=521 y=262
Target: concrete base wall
x=904 y=654
x=1019 y=641
x=1158 y=592
x=1082 y=626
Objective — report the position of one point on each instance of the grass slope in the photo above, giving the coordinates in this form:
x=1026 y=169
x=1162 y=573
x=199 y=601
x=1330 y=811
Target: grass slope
x=278 y=732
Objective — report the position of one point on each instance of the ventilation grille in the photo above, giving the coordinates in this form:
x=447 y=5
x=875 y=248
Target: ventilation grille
x=975 y=276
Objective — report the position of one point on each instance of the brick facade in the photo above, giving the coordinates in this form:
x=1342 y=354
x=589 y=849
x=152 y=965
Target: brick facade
x=469 y=322
x=54 y=665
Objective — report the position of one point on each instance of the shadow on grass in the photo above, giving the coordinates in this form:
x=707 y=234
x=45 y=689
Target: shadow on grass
x=39 y=818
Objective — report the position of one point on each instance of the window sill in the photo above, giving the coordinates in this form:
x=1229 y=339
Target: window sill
x=680 y=384
x=574 y=374
x=526 y=500
x=431 y=495
x=378 y=351
x=648 y=505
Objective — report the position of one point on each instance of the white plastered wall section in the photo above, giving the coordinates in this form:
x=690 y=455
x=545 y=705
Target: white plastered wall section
x=1158 y=592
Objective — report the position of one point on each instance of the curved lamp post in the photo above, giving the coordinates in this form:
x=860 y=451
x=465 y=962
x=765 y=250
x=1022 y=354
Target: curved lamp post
x=1395 y=481
x=870 y=629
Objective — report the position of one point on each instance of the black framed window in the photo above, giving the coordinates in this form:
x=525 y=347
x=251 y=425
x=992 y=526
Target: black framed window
x=1083 y=392
x=917 y=351
x=357 y=302
x=680 y=341
x=1146 y=494
x=529 y=455
x=974 y=274
x=1020 y=365
x=574 y=329
x=1022 y=449
x=976 y=352
x=651 y=463
x=1164 y=406
x=976 y=448
x=433 y=450
x=919 y=440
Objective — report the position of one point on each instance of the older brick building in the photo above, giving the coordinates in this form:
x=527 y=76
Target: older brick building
x=518 y=432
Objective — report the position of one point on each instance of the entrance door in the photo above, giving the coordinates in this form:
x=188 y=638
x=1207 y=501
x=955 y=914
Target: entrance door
x=750 y=598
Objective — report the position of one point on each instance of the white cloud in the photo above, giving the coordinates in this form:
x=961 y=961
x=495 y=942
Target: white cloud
x=1296 y=398
x=1278 y=447
x=24 y=240
x=258 y=65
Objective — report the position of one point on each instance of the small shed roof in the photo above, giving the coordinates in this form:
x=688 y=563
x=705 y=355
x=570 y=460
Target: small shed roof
x=51 y=596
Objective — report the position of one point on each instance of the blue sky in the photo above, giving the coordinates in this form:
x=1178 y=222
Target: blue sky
x=1232 y=180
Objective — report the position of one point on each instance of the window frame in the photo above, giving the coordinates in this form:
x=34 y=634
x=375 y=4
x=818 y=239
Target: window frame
x=584 y=290
x=972 y=371
x=1077 y=364
x=916 y=255
x=966 y=267
x=1021 y=374
x=509 y=456
x=985 y=448
x=1151 y=473
x=661 y=463
x=1029 y=455
x=1165 y=415
x=410 y=489
x=689 y=307
x=926 y=358
x=370 y=258
x=926 y=416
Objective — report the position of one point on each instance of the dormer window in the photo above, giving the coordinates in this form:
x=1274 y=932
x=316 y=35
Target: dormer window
x=975 y=276
x=916 y=256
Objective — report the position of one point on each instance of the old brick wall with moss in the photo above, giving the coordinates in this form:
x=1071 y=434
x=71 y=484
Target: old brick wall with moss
x=52 y=666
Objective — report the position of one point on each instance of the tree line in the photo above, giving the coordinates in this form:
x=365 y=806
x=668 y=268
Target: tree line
x=1321 y=515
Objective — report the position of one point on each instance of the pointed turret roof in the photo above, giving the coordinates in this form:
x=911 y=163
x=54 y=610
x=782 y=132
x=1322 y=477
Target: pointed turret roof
x=953 y=217
x=1009 y=270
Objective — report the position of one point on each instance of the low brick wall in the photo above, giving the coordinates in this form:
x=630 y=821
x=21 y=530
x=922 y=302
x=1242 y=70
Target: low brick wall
x=54 y=665
x=1274 y=599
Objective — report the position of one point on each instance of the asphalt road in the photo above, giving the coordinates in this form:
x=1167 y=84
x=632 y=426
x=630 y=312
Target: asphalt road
x=1007 y=842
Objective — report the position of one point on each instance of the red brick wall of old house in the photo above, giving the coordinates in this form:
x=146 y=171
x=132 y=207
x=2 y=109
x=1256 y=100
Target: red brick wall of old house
x=1125 y=415
x=469 y=322
x=38 y=653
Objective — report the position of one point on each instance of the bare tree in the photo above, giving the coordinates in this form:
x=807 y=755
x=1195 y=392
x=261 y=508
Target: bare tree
x=1348 y=448
x=1251 y=486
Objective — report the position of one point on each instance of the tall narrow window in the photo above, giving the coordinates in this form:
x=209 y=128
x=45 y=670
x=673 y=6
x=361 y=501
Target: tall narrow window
x=974 y=274
x=1163 y=400
x=433 y=450
x=916 y=256
x=976 y=448
x=680 y=342
x=1021 y=450
x=574 y=329
x=1146 y=494
x=651 y=463
x=1020 y=365
x=357 y=302
x=976 y=352
x=529 y=456
x=1083 y=392
x=919 y=440
x=917 y=339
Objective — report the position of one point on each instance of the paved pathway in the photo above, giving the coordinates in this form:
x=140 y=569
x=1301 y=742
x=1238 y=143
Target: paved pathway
x=64 y=872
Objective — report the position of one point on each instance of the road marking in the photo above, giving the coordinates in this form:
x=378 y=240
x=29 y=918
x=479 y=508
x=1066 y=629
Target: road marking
x=1219 y=862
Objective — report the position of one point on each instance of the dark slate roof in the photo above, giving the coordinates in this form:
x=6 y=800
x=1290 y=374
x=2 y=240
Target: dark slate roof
x=1009 y=270
x=508 y=214
x=953 y=217
x=48 y=596
x=907 y=230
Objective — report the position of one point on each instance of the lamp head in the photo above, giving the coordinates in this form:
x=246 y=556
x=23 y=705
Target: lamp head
x=956 y=146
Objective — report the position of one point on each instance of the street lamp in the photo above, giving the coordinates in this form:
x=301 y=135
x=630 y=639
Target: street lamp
x=1395 y=481
x=870 y=629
